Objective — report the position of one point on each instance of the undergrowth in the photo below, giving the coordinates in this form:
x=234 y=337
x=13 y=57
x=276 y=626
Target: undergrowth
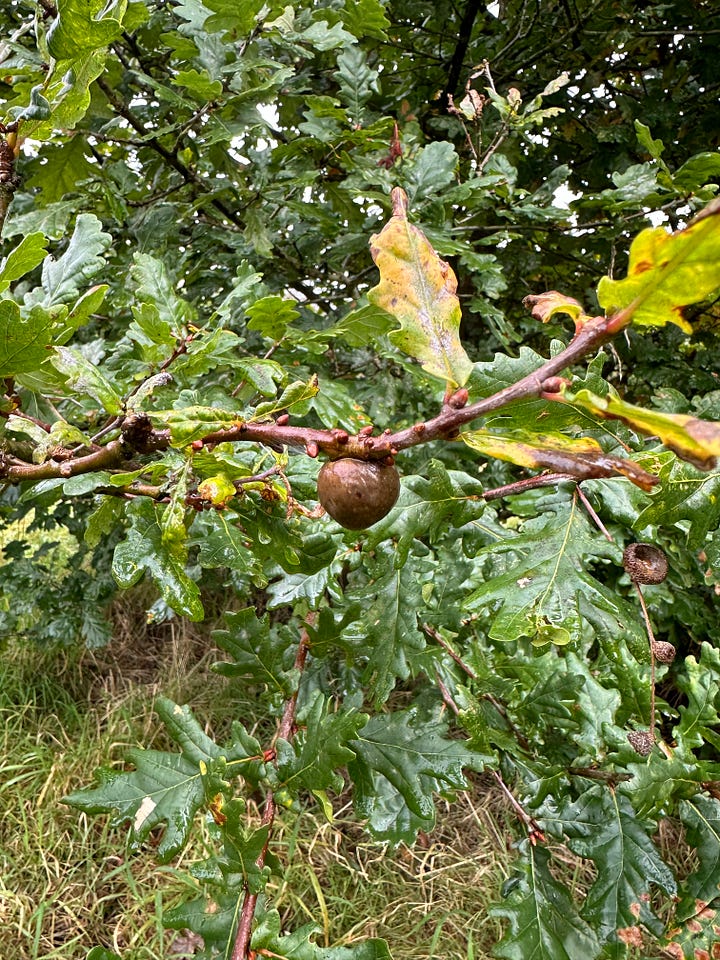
x=67 y=882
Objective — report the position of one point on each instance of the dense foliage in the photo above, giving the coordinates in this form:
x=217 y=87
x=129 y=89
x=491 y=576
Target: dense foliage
x=196 y=200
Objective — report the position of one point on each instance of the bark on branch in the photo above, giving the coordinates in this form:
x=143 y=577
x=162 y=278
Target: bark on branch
x=138 y=437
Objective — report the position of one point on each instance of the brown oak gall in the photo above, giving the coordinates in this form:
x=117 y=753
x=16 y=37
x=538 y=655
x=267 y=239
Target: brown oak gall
x=357 y=493
x=645 y=563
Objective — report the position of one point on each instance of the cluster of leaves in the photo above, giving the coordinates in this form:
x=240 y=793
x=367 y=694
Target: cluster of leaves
x=186 y=268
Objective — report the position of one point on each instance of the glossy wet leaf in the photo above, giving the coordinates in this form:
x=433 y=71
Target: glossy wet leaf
x=85 y=378
x=320 y=749
x=259 y=654
x=603 y=826
x=387 y=634
x=164 y=788
x=401 y=760
x=701 y=816
x=547 y=581
x=544 y=923
x=145 y=550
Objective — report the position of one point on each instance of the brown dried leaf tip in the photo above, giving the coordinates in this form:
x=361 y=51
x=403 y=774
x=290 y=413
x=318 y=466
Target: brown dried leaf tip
x=642 y=741
x=645 y=563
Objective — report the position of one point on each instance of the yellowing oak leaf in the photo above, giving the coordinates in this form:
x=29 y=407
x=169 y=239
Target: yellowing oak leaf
x=666 y=273
x=696 y=441
x=582 y=458
x=420 y=291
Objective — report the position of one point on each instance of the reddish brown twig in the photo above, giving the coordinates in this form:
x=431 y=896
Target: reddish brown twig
x=651 y=638
x=337 y=443
x=241 y=947
x=596 y=519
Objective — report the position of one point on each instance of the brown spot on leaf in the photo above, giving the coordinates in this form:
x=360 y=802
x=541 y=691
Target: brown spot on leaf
x=630 y=936
x=642 y=266
x=674 y=950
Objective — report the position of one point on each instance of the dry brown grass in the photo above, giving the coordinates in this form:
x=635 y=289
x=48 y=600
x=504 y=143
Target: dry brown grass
x=427 y=901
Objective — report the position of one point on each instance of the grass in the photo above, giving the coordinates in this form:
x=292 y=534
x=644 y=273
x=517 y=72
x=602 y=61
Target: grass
x=428 y=901
x=67 y=882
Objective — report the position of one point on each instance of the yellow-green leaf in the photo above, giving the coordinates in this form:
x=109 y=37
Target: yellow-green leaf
x=582 y=458
x=83 y=25
x=697 y=441
x=22 y=259
x=667 y=272
x=419 y=290
x=297 y=393
x=218 y=489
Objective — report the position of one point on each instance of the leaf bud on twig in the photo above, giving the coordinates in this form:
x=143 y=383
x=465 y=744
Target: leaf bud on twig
x=459 y=399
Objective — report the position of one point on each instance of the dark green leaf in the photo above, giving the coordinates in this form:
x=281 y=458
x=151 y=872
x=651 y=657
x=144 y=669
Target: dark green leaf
x=547 y=583
x=401 y=760
x=293 y=396
x=222 y=544
x=298 y=946
x=699 y=720
x=365 y=18
x=259 y=654
x=544 y=924
x=199 y=85
x=387 y=634
x=602 y=826
x=687 y=500
x=661 y=782
x=427 y=505
x=320 y=748
x=146 y=551
x=164 y=788
x=364 y=326
x=701 y=816
x=68 y=167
